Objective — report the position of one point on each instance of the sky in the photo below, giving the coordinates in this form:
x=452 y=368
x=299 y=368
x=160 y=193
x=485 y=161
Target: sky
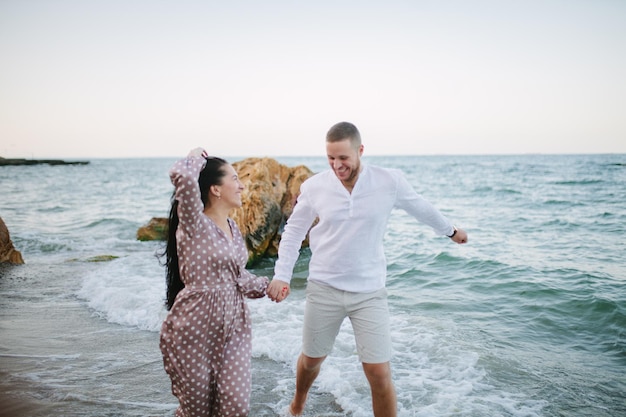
x=139 y=78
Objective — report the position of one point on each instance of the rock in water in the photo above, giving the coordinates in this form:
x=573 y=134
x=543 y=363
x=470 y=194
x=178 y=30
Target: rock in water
x=8 y=253
x=156 y=229
x=268 y=199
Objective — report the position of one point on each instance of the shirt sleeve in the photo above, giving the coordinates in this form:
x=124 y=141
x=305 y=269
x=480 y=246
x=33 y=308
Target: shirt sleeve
x=184 y=175
x=296 y=229
x=420 y=208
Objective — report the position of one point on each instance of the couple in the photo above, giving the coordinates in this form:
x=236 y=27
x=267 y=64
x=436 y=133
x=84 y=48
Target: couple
x=206 y=337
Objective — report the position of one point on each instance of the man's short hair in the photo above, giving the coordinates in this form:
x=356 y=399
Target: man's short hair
x=344 y=130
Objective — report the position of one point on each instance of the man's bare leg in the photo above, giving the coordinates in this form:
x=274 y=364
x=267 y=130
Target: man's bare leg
x=307 y=370
x=384 y=402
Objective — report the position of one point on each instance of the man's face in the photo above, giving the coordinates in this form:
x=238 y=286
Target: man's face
x=344 y=160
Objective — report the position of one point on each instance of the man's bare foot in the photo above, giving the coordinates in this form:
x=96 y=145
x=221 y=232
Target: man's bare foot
x=295 y=409
x=288 y=412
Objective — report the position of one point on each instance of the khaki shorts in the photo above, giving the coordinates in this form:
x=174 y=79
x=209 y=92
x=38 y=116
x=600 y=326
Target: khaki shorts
x=327 y=307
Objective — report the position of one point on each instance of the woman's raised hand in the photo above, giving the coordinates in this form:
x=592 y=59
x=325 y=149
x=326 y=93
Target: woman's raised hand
x=197 y=152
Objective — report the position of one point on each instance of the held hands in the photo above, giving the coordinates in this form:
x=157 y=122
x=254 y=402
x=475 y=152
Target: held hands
x=278 y=290
x=197 y=152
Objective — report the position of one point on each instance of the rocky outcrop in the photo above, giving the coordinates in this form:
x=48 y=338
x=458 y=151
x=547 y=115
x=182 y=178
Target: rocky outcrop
x=271 y=190
x=8 y=253
x=270 y=193
x=20 y=161
x=156 y=229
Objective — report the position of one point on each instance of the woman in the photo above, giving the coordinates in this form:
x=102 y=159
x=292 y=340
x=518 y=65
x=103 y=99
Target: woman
x=206 y=336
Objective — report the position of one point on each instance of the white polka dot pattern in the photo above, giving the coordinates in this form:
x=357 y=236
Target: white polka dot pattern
x=206 y=337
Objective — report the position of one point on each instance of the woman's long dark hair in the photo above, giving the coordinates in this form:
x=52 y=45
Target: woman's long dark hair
x=212 y=174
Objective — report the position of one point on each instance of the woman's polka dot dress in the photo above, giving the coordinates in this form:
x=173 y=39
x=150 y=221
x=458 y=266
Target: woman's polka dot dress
x=206 y=337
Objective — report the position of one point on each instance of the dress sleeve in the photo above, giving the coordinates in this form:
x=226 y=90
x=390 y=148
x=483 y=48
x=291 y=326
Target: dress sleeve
x=250 y=285
x=184 y=175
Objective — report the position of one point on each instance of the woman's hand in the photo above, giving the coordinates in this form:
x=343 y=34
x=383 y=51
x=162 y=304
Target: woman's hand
x=197 y=152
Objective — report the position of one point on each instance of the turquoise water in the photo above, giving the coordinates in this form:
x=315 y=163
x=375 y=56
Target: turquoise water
x=527 y=319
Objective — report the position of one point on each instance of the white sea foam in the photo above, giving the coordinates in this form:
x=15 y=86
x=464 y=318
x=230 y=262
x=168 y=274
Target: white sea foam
x=129 y=291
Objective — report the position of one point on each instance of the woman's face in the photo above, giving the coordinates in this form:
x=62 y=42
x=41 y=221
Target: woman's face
x=231 y=187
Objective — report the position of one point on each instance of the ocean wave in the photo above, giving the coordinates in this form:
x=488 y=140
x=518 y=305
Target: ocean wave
x=575 y=183
x=34 y=245
x=113 y=222
x=127 y=291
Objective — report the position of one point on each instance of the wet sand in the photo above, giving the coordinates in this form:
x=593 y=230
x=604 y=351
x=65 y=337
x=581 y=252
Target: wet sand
x=16 y=402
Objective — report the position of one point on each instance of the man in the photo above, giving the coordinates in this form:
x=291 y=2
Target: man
x=347 y=271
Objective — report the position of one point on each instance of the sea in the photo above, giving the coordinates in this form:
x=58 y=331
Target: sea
x=528 y=319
